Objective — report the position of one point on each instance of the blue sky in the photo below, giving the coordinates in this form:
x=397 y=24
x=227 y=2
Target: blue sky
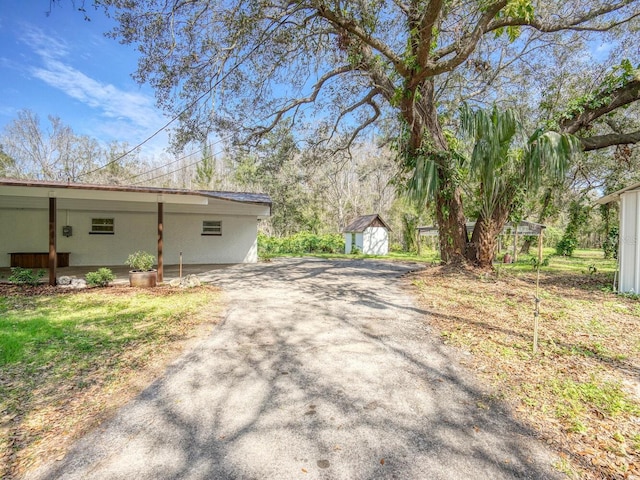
x=62 y=65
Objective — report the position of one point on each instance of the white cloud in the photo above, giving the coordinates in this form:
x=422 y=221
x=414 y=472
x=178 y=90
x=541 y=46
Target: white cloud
x=42 y=44
x=113 y=102
x=131 y=114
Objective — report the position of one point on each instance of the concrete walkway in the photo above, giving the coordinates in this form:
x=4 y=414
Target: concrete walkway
x=320 y=370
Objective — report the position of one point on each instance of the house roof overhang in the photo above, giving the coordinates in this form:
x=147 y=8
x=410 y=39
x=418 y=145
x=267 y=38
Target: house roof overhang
x=615 y=196
x=121 y=193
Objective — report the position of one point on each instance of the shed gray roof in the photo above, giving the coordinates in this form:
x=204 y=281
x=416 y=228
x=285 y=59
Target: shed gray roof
x=242 y=197
x=360 y=224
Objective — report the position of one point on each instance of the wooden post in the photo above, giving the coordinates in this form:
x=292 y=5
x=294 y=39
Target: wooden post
x=536 y=312
x=515 y=244
x=160 y=244
x=53 y=254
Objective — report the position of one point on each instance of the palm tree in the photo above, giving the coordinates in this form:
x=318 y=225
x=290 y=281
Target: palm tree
x=502 y=165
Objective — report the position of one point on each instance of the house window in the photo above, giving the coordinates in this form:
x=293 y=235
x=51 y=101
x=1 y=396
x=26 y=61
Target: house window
x=212 y=227
x=102 y=226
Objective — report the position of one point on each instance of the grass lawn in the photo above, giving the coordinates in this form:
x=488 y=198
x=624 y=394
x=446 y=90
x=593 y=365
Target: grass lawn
x=69 y=359
x=581 y=391
x=427 y=256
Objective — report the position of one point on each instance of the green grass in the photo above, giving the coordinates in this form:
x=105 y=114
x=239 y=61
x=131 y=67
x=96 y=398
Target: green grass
x=63 y=356
x=608 y=397
x=66 y=327
x=62 y=336
x=580 y=262
x=427 y=256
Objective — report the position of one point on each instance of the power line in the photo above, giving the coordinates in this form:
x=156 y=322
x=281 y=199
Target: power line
x=232 y=69
x=213 y=154
x=167 y=174
x=164 y=165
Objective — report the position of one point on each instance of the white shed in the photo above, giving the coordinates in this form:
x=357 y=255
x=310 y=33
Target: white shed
x=369 y=234
x=629 y=238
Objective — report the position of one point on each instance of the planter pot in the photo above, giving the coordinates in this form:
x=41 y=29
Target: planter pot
x=143 y=279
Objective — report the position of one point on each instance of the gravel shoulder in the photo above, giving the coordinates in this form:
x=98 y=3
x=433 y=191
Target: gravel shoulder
x=320 y=370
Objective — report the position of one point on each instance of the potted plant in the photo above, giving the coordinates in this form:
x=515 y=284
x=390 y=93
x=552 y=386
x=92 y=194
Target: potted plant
x=142 y=273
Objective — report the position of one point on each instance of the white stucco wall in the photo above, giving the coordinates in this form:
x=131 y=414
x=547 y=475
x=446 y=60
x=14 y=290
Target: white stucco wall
x=23 y=231
x=629 y=248
x=237 y=244
x=28 y=232
x=375 y=241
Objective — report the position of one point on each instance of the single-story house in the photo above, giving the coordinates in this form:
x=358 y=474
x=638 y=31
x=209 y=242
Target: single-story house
x=50 y=224
x=629 y=237
x=369 y=234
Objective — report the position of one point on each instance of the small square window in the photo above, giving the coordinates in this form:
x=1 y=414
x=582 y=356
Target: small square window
x=212 y=227
x=102 y=226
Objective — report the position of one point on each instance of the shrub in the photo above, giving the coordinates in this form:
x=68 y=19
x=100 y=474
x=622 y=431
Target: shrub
x=299 y=244
x=25 y=276
x=101 y=278
x=578 y=217
x=140 y=261
x=536 y=264
x=610 y=244
x=396 y=247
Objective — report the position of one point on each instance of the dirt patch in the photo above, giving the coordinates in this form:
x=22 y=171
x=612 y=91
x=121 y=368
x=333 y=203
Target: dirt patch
x=581 y=391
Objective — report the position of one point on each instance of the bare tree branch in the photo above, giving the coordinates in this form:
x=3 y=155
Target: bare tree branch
x=425 y=32
x=464 y=48
x=609 y=140
x=366 y=100
x=577 y=23
x=353 y=28
x=618 y=98
x=277 y=116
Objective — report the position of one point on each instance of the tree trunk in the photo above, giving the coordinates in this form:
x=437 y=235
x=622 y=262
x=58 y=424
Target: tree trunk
x=426 y=137
x=482 y=249
x=452 y=231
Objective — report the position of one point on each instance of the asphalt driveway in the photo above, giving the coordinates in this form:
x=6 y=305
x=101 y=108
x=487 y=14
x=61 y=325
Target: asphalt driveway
x=320 y=370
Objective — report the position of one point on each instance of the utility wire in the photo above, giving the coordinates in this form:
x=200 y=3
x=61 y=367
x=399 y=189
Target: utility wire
x=167 y=174
x=232 y=69
x=132 y=177
x=213 y=154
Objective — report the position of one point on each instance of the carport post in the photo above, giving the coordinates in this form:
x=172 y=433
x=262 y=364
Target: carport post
x=52 y=239
x=160 y=245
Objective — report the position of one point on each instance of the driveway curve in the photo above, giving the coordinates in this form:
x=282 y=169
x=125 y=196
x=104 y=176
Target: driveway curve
x=320 y=370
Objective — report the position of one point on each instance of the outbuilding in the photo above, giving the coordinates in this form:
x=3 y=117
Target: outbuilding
x=51 y=224
x=629 y=237
x=369 y=234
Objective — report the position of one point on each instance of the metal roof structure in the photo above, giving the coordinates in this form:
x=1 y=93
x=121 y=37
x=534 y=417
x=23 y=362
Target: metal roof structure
x=523 y=228
x=612 y=197
x=241 y=197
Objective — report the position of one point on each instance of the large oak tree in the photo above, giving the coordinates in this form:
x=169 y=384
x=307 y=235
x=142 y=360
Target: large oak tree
x=358 y=65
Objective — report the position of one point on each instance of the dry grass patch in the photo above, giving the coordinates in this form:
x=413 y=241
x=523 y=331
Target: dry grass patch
x=582 y=390
x=69 y=360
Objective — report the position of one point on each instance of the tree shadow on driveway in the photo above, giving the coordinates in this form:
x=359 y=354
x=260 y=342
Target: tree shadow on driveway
x=321 y=369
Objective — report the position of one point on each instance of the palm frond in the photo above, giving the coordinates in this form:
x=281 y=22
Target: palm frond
x=423 y=182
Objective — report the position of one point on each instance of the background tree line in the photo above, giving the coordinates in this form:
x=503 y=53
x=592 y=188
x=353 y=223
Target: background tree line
x=315 y=190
